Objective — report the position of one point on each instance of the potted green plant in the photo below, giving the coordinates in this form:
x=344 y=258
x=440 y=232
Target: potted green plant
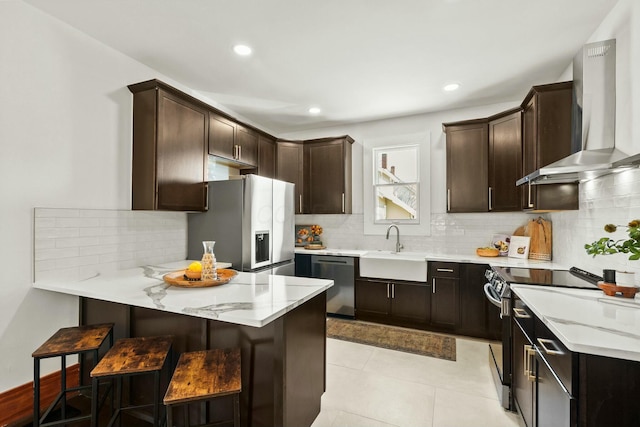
x=608 y=246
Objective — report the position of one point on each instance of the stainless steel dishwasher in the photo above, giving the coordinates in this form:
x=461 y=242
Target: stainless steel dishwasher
x=340 y=269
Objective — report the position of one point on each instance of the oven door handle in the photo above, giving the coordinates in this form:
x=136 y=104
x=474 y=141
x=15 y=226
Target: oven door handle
x=492 y=295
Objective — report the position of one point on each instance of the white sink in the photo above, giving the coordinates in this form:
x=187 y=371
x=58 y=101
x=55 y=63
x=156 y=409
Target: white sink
x=394 y=265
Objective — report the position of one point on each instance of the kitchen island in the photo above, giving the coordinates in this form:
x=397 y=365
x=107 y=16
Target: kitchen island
x=278 y=322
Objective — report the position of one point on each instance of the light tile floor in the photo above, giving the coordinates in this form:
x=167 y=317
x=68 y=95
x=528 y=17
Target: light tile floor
x=375 y=387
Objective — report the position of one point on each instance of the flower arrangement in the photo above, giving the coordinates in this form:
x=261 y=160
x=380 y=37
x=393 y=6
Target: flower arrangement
x=608 y=246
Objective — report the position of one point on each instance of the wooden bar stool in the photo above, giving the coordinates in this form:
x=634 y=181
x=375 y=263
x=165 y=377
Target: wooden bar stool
x=128 y=357
x=67 y=341
x=205 y=375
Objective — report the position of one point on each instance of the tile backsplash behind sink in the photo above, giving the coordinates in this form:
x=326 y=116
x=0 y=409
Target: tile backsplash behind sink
x=450 y=233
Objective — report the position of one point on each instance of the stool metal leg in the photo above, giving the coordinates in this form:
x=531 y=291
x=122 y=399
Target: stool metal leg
x=94 y=402
x=156 y=399
x=63 y=385
x=36 y=392
x=236 y=410
x=169 y=416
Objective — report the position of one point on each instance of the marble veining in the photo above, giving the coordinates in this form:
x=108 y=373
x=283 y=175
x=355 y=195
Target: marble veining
x=587 y=321
x=248 y=299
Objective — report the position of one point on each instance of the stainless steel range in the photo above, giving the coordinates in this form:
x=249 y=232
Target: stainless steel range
x=498 y=293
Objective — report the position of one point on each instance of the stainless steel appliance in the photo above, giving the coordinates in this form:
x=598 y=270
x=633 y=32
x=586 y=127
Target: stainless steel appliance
x=340 y=269
x=498 y=293
x=252 y=222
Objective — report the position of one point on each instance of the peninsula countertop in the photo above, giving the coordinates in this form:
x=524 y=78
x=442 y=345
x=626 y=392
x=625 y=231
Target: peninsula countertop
x=248 y=299
x=587 y=321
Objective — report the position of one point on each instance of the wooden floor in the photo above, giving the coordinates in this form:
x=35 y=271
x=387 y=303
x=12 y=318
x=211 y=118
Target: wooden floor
x=82 y=405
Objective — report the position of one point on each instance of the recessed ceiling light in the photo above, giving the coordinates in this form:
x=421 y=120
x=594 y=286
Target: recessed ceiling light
x=242 y=50
x=314 y=110
x=451 y=87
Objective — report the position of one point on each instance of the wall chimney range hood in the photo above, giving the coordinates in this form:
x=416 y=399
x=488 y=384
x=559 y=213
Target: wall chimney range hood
x=593 y=121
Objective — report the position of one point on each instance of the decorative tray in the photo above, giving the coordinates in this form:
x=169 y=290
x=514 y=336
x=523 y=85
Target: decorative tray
x=177 y=278
x=612 y=290
x=315 y=246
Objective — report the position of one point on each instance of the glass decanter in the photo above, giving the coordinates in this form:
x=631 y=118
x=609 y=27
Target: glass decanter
x=208 y=261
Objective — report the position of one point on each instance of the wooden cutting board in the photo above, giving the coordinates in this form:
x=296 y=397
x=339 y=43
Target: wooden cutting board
x=539 y=230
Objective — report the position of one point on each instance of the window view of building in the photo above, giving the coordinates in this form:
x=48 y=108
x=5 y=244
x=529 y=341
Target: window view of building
x=396 y=184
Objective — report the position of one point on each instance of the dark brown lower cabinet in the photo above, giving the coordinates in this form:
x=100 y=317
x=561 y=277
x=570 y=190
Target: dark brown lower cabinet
x=395 y=302
x=556 y=387
x=452 y=300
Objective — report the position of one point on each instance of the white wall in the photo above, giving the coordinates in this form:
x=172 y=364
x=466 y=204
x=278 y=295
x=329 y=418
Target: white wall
x=614 y=198
x=65 y=141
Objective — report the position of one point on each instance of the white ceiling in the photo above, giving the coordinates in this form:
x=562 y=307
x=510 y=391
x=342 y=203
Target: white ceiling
x=358 y=60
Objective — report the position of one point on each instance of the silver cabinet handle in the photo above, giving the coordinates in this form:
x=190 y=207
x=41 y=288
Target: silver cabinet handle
x=445 y=270
x=239 y=152
x=300 y=199
x=206 y=196
x=520 y=313
x=433 y=283
x=530 y=204
x=490 y=196
x=342 y=202
x=388 y=290
x=448 y=199
x=393 y=291
x=546 y=342
x=525 y=360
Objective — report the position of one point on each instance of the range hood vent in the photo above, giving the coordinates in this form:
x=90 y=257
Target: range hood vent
x=593 y=120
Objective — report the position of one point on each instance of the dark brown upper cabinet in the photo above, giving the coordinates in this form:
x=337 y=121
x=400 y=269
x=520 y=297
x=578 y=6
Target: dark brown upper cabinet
x=231 y=141
x=505 y=160
x=467 y=166
x=546 y=134
x=170 y=132
x=266 y=156
x=327 y=169
x=321 y=170
x=289 y=167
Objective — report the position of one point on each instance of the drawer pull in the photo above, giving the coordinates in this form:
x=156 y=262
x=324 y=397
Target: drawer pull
x=546 y=342
x=520 y=313
x=445 y=270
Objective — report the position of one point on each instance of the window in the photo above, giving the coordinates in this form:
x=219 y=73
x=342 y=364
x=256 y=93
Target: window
x=398 y=191
x=396 y=184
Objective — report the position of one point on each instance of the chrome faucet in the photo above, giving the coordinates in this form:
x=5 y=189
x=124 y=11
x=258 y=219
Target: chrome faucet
x=398 y=245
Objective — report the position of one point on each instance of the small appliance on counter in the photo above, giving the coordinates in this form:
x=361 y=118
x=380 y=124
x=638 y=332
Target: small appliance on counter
x=251 y=219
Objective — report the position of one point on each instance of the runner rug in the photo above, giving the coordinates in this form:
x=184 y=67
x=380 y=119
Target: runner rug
x=394 y=338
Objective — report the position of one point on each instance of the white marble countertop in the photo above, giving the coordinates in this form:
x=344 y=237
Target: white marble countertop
x=587 y=321
x=248 y=299
x=462 y=258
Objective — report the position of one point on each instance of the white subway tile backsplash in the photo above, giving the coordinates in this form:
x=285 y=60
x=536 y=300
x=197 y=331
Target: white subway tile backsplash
x=79 y=243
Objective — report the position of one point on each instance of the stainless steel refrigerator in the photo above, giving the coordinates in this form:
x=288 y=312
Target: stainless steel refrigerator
x=251 y=219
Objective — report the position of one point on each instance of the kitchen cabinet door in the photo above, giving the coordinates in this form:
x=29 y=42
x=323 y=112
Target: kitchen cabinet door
x=246 y=146
x=445 y=283
x=289 y=167
x=524 y=375
x=266 y=157
x=169 y=149
x=410 y=301
x=467 y=166
x=546 y=136
x=222 y=136
x=372 y=299
x=505 y=161
x=327 y=168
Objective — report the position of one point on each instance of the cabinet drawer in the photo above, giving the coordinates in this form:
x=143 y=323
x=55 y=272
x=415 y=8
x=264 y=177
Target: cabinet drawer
x=557 y=355
x=444 y=269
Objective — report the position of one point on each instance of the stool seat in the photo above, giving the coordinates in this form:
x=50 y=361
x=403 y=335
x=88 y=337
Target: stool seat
x=134 y=356
x=73 y=340
x=203 y=375
x=128 y=357
x=78 y=340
